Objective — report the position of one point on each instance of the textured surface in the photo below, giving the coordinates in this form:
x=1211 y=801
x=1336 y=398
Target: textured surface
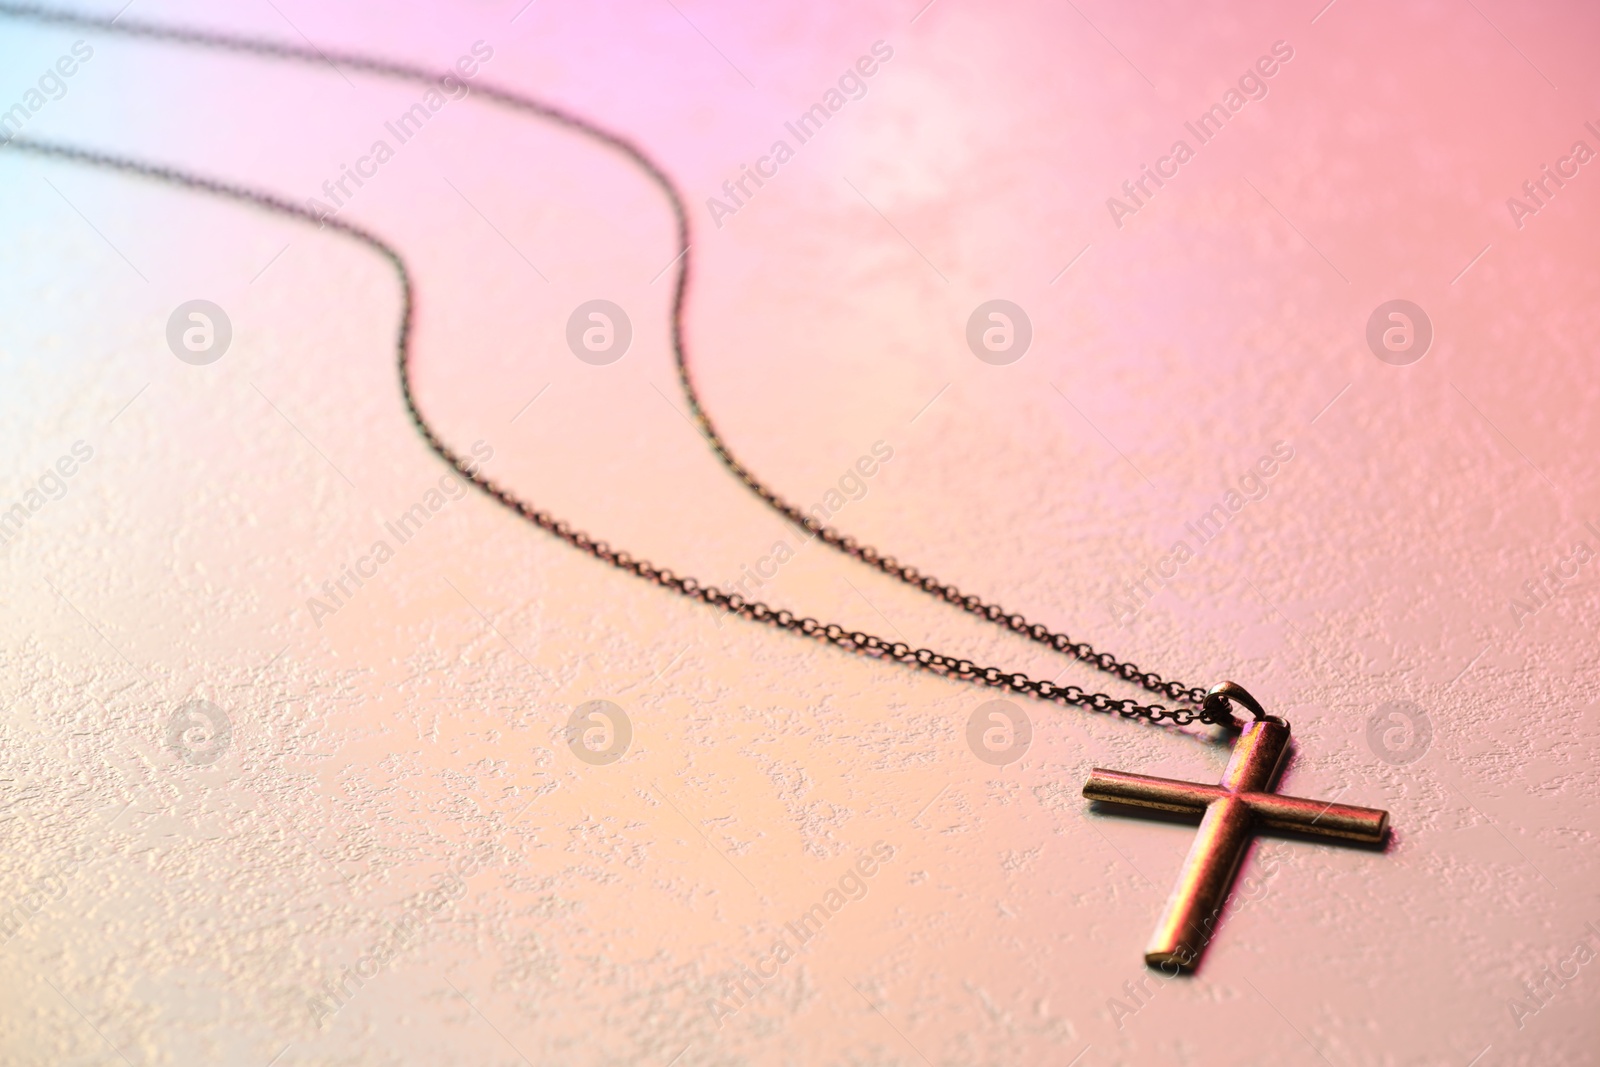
x=396 y=783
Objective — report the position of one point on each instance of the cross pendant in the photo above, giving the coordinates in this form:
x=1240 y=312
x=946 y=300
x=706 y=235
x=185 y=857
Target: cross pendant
x=1230 y=814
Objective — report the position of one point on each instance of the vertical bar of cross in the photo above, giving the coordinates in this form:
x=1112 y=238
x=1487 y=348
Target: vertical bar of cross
x=1195 y=905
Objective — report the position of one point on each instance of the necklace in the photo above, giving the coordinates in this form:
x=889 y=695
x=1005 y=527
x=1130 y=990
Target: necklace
x=1230 y=812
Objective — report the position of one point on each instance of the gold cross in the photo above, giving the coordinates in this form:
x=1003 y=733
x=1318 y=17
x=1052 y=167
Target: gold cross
x=1230 y=814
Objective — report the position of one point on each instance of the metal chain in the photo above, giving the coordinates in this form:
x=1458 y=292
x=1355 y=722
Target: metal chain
x=927 y=583
x=855 y=641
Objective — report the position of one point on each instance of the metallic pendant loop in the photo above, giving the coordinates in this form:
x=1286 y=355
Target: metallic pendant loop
x=1217 y=707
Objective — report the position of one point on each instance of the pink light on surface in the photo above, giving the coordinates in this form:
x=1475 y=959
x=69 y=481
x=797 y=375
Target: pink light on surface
x=474 y=796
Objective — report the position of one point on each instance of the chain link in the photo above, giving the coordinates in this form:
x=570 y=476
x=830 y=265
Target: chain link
x=854 y=641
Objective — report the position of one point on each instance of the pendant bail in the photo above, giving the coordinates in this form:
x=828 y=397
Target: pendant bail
x=1217 y=706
